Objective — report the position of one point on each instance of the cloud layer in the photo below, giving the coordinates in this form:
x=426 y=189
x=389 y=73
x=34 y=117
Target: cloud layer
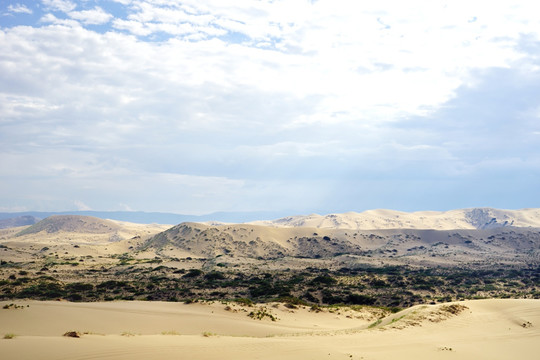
x=201 y=106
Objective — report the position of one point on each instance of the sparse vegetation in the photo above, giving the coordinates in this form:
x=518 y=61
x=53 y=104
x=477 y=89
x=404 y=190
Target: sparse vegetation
x=389 y=286
x=375 y=324
x=170 y=332
x=13 y=306
x=262 y=313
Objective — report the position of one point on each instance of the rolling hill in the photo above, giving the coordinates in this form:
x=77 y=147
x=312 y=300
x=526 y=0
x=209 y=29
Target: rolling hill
x=73 y=224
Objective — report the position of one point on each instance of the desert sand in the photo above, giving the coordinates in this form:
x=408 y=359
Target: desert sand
x=483 y=329
x=65 y=250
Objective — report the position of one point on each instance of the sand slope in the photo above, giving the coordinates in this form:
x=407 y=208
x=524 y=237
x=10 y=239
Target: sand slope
x=486 y=329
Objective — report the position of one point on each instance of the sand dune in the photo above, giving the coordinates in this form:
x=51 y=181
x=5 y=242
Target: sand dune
x=80 y=229
x=475 y=218
x=484 y=329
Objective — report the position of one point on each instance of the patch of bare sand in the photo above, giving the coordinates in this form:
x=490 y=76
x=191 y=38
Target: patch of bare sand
x=482 y=329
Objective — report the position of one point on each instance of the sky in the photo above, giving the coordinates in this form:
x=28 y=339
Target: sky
x=290 y=106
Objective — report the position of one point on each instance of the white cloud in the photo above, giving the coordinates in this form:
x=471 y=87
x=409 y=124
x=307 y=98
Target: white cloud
x=317 y=48
x=13 y=208
x=59 y=5
x=134 y=27
x=51 y=19
x=125 y=207
x=95 y=16
x=123 y=2
x=81 y=206
x=19 y=9
x=332 y=42
x=244 y=96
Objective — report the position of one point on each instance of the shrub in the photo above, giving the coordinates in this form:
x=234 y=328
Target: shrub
x=71 y=333
x=75 y=297
x=214 y=275
x=244 y=301
x=170 y=332
x=111 y=284
x=360 y=299
x=79 y=287
x=324 y=279
x=260 y=314
x=193 y=273
x=43 y=290
x=291 y=300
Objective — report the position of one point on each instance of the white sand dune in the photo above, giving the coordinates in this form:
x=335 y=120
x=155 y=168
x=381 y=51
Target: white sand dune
x=475 y=218
x=486 y=329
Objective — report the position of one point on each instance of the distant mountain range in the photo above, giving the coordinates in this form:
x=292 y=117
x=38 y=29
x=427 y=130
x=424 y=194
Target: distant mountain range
x=140 y=217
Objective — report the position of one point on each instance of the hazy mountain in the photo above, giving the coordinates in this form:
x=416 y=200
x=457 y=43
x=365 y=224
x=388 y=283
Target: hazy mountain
x=142 y=217
x=18 y=221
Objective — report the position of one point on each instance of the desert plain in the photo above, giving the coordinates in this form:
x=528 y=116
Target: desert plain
x=463 y=285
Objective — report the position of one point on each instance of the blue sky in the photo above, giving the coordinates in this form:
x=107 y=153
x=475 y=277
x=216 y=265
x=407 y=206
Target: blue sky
x=289 y=106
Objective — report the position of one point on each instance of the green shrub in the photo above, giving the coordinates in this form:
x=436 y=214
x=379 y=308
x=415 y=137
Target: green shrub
x=360 y=299
x=260 y=314
x=244 y=301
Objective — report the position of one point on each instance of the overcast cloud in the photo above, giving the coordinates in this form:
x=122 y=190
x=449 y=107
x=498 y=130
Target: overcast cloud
x=297 y=106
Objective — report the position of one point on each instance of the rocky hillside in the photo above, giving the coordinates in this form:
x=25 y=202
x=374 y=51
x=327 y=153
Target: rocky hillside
x=249 y=241
x=398 y=245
